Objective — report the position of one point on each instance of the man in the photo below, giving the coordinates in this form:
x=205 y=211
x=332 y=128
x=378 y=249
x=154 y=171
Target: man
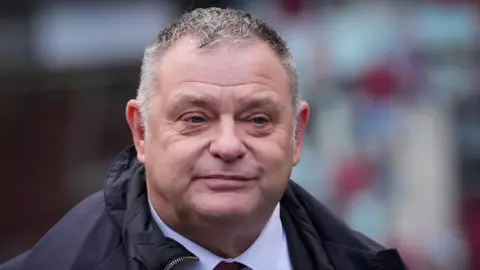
x=217 y=127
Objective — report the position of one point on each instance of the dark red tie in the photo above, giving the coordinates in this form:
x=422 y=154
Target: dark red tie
x=228 y=266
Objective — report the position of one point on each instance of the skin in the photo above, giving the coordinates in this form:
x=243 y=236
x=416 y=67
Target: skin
x=221 y=147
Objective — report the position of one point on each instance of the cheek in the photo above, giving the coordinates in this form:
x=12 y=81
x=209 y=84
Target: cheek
x=274 y=153
x=169 y=164
x=275 y=159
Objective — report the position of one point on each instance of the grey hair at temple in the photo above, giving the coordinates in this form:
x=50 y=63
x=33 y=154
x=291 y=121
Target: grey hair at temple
x=209 y=27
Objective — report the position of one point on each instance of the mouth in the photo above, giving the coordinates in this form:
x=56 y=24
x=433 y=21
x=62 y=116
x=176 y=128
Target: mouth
x=226 y=182
x=231 y=177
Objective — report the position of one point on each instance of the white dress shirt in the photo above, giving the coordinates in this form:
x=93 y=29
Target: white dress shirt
x=269 y=251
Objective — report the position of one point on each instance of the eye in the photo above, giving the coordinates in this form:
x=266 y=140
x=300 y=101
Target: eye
x=193 y=119
x=259 y=120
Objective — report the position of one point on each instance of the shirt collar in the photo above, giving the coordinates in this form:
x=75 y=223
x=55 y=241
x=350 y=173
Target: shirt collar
x=268 y=245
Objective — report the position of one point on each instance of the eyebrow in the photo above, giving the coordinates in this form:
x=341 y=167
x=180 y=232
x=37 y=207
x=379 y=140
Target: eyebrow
x=186 y=101
x=268 y=103
x=246 y=103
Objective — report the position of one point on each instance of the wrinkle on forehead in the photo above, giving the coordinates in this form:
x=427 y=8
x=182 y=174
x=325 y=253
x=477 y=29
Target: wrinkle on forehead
x=243 y=93
x=223 y=66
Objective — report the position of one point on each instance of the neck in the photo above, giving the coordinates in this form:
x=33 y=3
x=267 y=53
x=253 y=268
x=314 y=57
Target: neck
x=225 y=243
x=227 y=237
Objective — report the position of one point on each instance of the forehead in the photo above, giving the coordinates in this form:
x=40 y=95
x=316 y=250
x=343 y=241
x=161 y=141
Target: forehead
x=224 y=65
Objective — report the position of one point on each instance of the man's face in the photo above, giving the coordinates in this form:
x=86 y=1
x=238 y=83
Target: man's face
x=220 y=125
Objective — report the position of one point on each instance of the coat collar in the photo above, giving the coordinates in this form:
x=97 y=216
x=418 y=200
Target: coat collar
x=126 y=203
x=387 y=259
x=336 y=245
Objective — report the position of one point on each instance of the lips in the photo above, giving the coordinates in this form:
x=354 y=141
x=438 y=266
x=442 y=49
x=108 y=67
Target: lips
x=231 y=177
x=225 y=182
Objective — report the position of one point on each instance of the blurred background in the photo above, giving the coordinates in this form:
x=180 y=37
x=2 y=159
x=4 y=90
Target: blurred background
x=393 y=145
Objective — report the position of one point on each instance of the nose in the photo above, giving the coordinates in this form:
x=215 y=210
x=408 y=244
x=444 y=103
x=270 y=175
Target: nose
x=226 y=145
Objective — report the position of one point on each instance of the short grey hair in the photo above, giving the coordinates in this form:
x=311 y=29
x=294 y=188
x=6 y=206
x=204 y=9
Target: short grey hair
x=211 y=26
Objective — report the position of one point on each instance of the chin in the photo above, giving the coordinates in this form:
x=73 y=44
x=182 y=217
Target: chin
x=228 y=209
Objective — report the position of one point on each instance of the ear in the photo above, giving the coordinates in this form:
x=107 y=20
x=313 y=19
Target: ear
x=302 y=119
x=134 y=120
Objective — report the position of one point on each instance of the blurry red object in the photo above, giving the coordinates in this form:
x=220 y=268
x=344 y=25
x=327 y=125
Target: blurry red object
x=471 y=222
x=291 y=6
x=378 y=83
x=353 y=176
